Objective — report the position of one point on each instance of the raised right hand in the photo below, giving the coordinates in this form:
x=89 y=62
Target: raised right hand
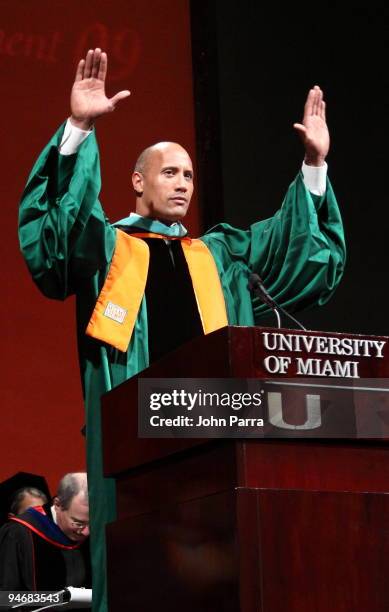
x=88 y=100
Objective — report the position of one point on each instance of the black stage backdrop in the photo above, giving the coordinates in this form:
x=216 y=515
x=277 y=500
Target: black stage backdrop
x=253 y=69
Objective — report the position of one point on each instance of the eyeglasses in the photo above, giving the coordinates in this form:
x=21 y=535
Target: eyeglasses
x=79 y=525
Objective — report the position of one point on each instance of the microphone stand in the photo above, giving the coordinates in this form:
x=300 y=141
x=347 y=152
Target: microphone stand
x=256 y=286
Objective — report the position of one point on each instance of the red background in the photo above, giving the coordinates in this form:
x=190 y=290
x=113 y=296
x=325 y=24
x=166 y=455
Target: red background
x=40 y=43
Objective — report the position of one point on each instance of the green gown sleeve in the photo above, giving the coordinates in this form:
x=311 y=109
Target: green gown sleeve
x=299 y=253
x=63 y=232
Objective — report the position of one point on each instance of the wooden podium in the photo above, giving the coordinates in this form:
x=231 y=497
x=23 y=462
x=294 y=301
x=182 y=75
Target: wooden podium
x=291 y=524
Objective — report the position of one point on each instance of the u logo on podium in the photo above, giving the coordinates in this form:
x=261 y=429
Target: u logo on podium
x=276 y=416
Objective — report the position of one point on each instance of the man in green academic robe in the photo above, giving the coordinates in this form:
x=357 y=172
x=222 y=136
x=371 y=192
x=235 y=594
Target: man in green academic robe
x=71 y=248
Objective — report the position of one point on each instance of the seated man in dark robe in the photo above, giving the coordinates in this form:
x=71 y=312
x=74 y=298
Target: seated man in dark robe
x=46 y=548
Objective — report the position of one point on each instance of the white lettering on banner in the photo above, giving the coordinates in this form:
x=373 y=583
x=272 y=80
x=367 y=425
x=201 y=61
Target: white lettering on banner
x=296 y=343
x=277 y=365
x=323 y=345
x=317 y=367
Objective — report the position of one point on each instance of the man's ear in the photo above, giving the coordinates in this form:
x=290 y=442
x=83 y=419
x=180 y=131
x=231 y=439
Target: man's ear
x=56 y=502
x=137 y=183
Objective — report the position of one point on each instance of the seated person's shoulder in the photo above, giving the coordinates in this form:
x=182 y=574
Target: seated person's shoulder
x=13 y=530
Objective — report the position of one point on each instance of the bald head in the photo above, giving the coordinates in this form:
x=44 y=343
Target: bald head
x=147 y=154
x=163 y=182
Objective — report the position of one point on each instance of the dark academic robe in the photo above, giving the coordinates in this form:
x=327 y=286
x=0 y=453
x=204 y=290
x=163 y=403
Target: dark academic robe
x=35 y=555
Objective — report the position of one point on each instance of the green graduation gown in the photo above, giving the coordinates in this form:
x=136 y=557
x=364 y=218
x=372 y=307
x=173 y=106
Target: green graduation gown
x=68 y=242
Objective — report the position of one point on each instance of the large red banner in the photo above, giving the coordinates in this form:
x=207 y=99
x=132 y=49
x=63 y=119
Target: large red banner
x=148 y=45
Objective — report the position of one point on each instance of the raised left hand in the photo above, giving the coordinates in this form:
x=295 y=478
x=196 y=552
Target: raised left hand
x=313 y=130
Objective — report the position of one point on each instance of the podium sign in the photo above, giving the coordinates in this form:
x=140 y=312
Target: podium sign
x=295 y=519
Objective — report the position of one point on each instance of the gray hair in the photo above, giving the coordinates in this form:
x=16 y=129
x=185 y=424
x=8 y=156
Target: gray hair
x=71 y=485
x=20 y=495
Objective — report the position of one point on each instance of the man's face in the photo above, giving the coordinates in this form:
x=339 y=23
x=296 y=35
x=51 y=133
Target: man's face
x=74 y=521
x=166 y=183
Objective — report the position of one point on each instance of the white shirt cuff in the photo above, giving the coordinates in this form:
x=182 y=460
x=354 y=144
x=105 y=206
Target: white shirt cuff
x=315 y=178
x=72 y=138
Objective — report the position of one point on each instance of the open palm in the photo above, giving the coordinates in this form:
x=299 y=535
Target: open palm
x=88 y=99
x=314 y=130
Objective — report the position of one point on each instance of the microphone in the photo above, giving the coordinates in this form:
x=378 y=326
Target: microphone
x=256 y=286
